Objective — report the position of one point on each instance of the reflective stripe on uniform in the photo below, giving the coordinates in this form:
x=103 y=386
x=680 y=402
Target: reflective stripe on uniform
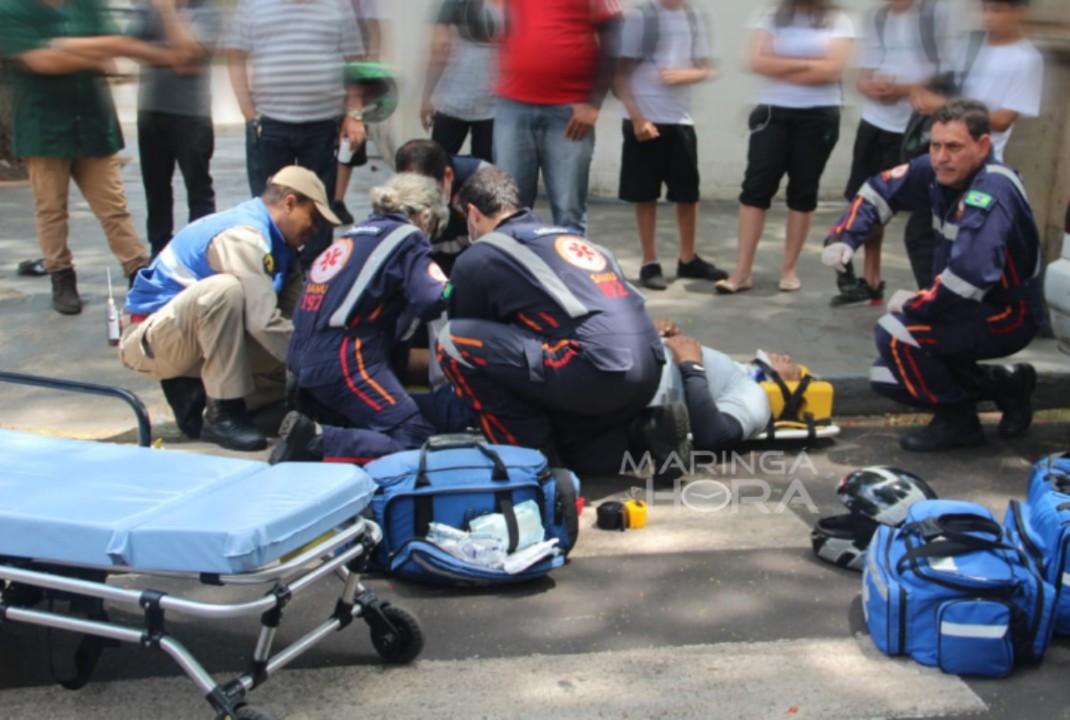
x=875 y=575
x=177 y=271
x=960 y=287
x=882 y=374
x=884 y=210
x=445 y=340
x=1010 y=175
x=984 y=632
x=372 y=265
x=947 y=230
x=897 y=330
x=539 y=268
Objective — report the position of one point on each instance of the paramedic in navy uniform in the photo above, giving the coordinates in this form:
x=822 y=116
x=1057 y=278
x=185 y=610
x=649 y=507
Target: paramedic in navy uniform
x=212 y=307
x=985 y=301
x=364 y=294
x=546 y=341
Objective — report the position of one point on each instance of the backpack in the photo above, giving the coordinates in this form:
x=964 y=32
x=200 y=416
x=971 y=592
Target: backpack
x=919 y=128
x=1040 y=527
x=652 y=32
x=948 y=589
x=456 y=480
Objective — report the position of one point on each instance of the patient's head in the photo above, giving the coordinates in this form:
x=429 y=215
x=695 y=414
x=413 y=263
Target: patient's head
x=784 y=365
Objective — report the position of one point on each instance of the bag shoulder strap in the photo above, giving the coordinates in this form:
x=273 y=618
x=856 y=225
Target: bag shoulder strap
x=650 y=29
x=927 y=18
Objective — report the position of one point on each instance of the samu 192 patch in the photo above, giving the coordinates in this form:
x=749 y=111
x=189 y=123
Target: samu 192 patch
x=979 y=200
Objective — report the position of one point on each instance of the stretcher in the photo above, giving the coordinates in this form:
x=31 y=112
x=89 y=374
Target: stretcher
x=74 y=513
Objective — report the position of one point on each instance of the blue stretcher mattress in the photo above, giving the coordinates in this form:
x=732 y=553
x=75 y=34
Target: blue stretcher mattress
x=79 y=502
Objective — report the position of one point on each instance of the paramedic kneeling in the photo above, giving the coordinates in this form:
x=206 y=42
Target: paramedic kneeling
x=546 y=341
x=210 y=309
x=986 y=299
x=365 y=293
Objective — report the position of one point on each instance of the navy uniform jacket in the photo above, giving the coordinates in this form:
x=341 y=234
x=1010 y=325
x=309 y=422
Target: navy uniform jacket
x=368 y=283
x=612 y=326
x=988 y=246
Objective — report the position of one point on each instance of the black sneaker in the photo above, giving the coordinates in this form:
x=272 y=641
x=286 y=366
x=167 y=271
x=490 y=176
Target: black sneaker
x=698 y=268
x=299 y=440
x=340 y=209
x=32 y=268
x=650 y=276
x=664 y=432
x=860 y=294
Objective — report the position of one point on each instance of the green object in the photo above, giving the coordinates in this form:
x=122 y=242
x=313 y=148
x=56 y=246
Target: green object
x=380 y=88
x=979 y=200
x=60 y=116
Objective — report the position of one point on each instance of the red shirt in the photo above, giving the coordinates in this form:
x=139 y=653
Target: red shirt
x=550 y=51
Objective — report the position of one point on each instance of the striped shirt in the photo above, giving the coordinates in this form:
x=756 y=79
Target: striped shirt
x=296 y=50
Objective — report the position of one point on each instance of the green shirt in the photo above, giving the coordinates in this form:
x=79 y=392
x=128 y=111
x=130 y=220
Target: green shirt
x=59 y=115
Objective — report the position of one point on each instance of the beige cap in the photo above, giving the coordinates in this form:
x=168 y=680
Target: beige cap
x=305 y=182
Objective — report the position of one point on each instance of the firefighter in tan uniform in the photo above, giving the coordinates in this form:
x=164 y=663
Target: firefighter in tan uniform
x=210 y=316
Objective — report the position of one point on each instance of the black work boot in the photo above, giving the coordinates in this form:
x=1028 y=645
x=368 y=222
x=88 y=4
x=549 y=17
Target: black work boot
x=187 y=399
x=65 y=298
x=299 y=439
x=953 y=426
x=1012 y=391
x=663 y=431
x=227 y=424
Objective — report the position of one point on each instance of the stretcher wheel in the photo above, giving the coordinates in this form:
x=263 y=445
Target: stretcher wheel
x=405 y=644
x=248 y=712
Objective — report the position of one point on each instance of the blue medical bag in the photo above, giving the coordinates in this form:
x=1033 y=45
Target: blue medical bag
x=948 y=589
x=454 y=479
x=1040 y=527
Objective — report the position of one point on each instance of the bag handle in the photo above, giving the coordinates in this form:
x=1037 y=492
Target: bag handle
x=458 y=441
x=424 y=510
x=955 y=530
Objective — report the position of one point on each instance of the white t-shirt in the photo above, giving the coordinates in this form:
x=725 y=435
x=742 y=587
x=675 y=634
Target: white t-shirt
x=678 y=47
x=903 y=57
x=1005 y=77
x=799 y=40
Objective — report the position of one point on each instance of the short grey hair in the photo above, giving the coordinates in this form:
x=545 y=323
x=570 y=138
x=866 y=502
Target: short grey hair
x=418 y=197
x=492 y=191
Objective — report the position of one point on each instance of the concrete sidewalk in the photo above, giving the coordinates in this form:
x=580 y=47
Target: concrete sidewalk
x=835 y=343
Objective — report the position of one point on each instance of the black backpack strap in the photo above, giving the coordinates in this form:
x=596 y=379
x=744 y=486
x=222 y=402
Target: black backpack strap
x=880 y=22
x=976 y=41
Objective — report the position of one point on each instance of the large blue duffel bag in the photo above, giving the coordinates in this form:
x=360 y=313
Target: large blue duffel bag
x=948 y=589
x=453 y=480
x=1041 y=528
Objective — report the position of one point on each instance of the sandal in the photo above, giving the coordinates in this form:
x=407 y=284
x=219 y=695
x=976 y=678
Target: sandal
x=727 y=287
x=790 y=285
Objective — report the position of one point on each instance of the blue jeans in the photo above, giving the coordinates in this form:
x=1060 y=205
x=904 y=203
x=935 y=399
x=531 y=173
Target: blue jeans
x=529 y=137
x=271 y=145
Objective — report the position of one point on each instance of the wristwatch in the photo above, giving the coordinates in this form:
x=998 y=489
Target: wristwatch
x=357 y=115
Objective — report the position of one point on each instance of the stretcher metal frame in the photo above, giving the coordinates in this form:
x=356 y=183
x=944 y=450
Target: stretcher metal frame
x=345 y=552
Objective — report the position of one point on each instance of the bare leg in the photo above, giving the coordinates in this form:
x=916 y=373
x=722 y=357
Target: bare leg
x=686 y=223
x=871 y=264
x=798 y=227
x=645 y=217
x=751 y=225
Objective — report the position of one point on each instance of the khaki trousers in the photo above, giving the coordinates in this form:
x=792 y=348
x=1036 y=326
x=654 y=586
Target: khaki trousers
x=99 y=180
x=201 y=333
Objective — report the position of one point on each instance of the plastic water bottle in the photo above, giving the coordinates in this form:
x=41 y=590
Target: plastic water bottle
x=114 y=330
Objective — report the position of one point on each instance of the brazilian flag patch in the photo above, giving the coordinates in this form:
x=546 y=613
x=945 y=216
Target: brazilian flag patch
x=979 y=200
x=447 y=291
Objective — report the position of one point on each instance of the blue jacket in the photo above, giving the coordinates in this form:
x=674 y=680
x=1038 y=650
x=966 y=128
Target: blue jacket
x=604 y=314
x=369 y=283
x=988 y=247
x=185 y=259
